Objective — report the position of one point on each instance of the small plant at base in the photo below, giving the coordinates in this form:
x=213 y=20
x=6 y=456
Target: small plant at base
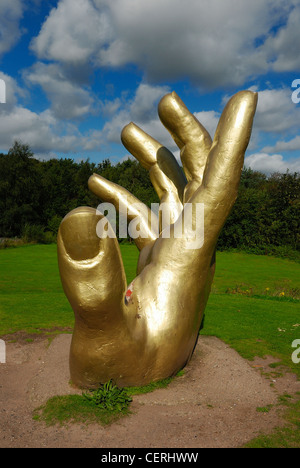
x=264 y=409
x=109 y=397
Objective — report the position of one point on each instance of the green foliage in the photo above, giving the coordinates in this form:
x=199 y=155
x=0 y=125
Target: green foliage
x=37 y=234
x=108 y=397
x=152 y=386
x=66 y=409
x=259 y=324
x=264 y=219
x=256 y=324
x=266 y=215
x=103 y=405
x=287 y=436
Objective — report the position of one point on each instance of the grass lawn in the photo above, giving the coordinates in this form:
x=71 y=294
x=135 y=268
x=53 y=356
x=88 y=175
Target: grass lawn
x=254 y=305
x=31 y=295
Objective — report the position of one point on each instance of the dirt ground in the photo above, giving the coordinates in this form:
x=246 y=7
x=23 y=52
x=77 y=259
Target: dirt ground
x=214 y=404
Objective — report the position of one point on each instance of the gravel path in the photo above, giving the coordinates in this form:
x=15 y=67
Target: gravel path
x=214 y=404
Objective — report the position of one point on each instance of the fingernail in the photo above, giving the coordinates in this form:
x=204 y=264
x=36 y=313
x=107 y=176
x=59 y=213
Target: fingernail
x=78 y=232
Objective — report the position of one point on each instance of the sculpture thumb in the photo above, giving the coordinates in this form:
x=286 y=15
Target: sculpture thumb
x=91 y=268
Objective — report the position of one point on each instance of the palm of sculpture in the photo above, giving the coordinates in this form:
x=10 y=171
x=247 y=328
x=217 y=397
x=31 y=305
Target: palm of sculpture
x=152 y=335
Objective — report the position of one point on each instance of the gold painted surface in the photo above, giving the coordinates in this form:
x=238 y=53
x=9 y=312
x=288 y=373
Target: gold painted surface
x=152 y=335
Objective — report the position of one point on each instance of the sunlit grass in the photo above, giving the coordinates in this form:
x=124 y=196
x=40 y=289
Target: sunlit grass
x=69 y=409
x=254 y=307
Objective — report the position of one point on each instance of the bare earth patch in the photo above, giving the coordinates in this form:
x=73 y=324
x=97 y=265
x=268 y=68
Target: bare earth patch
x=214 y=404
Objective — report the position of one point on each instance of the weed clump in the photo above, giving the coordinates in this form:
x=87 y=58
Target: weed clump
x=109 y=397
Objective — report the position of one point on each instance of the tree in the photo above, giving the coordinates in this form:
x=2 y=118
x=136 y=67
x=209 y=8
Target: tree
x=41 y=193
x=20 y=190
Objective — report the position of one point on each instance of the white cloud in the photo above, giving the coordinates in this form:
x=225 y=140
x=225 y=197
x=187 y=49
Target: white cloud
x=283 y=47
x=142 y=110
x=144 y=106
x=10 y=15
x=291 y=145
x=12 y=93
x=213 y=43
x=52 y=131
x=109 y=108
x=39 y=131
x=269 y=164
x=203 y=40
x=275 y=111
x=43 y=132
x=68 y=99
x=209 y=120
x=72 y=32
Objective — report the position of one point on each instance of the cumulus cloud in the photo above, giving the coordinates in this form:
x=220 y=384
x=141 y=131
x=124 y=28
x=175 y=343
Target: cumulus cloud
x=142 y=110
x=270 y=163
x=275 y=111
x=44 y=132
x=12 y=93
x=10 y=16
x=72 y=32
x=291 y=145
x=54 y=130
x=39 y=131
x=47 y=133
x=69 y=100
x=209 y=119
x=283 y=47
x=213 y=43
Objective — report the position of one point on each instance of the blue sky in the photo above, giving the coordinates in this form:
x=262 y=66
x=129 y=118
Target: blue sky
x=77 y=71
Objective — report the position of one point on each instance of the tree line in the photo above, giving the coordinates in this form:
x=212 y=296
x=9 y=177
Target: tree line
x=35 y=196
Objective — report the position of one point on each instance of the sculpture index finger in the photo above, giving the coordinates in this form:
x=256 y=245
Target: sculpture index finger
x=129 y=206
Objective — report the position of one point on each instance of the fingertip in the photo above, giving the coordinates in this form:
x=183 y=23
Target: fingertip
x=246 y=97
x=77 y=234
x=103 y=188
x=141 y=145
x=237 y=118
x=128 y=133
x=169 y=106
x=93 y=182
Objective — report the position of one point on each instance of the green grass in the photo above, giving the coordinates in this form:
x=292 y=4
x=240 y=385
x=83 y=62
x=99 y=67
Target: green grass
x=67 y=409
x=287 y=436
x=254 y=327
x=152 y=386
x=254 y=304
x=31 y=295
x=256 y=323
x=256 y=275
x=100 y=406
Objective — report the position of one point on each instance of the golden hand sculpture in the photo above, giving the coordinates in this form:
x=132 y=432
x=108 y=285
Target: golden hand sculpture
x=148 y=331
